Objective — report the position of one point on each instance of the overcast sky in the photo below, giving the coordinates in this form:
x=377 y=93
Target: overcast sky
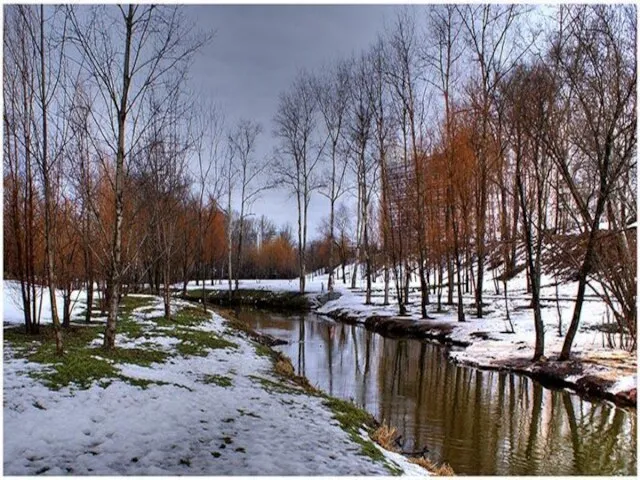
x=255 y=55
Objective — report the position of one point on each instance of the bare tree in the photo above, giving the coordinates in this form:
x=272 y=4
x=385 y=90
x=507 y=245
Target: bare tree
x=163 y=183
x=403 y=76
x=332 y=90
x=48 y=157
x=80 y=154
x=38 y=57
x=242 y=143
x=360 y=131
x=20 y=191
x=128 y=51
x=296 y=160
x=230 y=182
x=383 y=132
x=208 y=134
x=530 y=94
x=446 y=29
x=488 y=30
x=594 y=54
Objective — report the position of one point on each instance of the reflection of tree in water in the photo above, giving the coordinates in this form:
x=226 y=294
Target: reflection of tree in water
x=533 y=427
x=481 y=422
x=301 y=346
x=418 y=425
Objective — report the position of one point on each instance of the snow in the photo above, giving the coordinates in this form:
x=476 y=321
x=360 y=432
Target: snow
x=183 y=426
x=624 y=384
x=12 y=312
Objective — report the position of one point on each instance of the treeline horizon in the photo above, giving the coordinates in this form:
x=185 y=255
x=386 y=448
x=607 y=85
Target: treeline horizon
x=475 y=140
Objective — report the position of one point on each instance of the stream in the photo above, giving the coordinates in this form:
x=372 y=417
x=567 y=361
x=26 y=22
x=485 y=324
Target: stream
x=480 y=422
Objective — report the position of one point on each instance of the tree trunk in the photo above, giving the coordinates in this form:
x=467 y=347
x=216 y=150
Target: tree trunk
x=48 y=213
x=66 y=307
x=407 y=279
x=87 y=315
x=480 y=242
x=331 y=234
x=386 y=283
x=114 y=274
x=424 y=290
x=167 y=297
x=585 y=269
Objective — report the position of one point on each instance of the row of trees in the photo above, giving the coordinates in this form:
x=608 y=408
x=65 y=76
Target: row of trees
x=476 y=140
x=471 y=142
x=115 y=180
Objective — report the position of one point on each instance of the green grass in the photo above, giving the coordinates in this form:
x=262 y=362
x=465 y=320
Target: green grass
x=263 y=350
x=82 y=365
x=73 y=336
x=198 y=343
x=127 y=325
x=186 y=317
x=275 y=387
x=142 y=382
x=77 y=368
x=138 y=356
x=352 y=419
x=195 y=294
x=129 y=303
x=219 y=380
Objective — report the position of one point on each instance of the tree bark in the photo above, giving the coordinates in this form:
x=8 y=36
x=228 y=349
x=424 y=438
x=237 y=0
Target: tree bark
x=114 y=279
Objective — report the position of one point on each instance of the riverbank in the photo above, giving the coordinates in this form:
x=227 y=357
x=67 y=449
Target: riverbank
x=284 y=300
x=595 y=370
x=604 y=375
x=195 y=396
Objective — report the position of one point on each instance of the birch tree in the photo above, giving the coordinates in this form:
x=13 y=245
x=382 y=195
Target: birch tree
x=360 y=131
x=297 y=158
x=127 y=52
x=332 y=90
x=242 y=143
x=403 y=75
x=19 y=80
x=207 y=144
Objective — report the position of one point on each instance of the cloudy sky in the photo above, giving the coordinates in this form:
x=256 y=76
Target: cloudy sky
x=255 y=55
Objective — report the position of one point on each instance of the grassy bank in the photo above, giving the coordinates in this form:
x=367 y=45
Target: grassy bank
x=264 y=299
x=202 y=355
x=352 y=419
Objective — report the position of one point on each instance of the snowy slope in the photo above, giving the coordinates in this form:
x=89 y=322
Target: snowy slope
x=187 y=427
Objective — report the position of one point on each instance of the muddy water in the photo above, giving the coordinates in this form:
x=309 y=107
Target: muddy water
x=480 y=422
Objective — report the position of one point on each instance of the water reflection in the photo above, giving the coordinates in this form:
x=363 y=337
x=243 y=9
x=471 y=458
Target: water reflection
x=480 y=422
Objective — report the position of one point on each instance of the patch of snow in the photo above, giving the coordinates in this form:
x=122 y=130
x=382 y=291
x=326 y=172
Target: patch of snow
x=624 y=384
x=12 y=311
x=182 y=424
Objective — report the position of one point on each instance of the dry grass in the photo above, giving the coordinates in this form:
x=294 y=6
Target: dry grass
x=385 y=436
x=443 y=470
x=284 y=367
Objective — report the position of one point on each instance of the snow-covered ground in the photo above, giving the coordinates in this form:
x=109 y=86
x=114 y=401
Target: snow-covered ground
x=12 y=304
x=489 y=345
x=186 y=425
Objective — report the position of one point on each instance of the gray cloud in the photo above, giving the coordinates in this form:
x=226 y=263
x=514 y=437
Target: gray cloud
x=255 y=55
